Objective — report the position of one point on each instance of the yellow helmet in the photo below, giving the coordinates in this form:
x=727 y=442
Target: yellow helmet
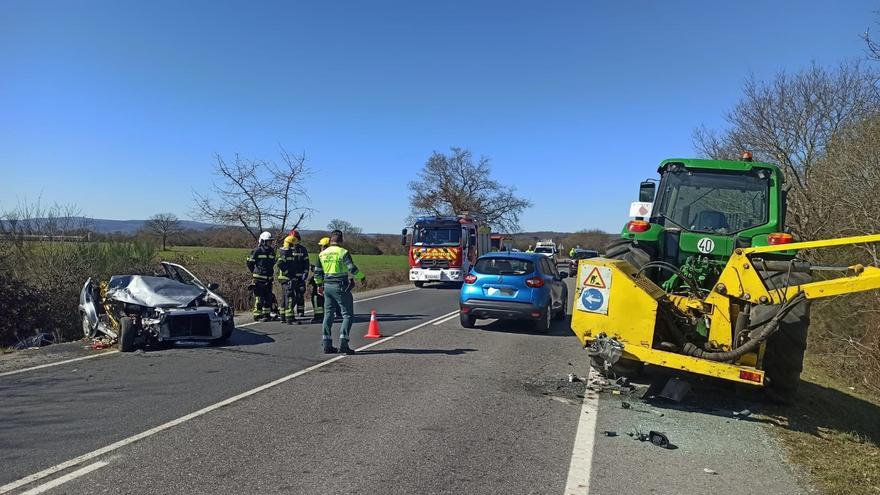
x=325 y=241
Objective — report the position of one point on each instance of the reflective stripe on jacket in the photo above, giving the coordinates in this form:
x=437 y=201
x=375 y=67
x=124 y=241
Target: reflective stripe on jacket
x=261 y=263
x=292 y=261
x=334 y=264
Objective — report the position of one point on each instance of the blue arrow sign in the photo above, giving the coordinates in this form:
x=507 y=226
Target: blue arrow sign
x=592 y=299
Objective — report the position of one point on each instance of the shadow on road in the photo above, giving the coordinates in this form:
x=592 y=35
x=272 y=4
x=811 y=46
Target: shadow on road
x=448 y=352
x=557 y=328
x=816 y=408
x=443 y=286
x=381 y=317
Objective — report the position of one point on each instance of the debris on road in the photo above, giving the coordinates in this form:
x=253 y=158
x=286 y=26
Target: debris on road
x=609 y=433
x=572 y=378
x=675 y=389
x=655 y=437
x=745 y=413
x=619 y=386
x=710 y=471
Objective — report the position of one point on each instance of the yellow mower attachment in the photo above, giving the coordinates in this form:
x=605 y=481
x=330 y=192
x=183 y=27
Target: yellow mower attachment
x=620 y=314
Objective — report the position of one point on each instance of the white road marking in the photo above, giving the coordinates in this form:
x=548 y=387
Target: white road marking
x=64 y=479
x=32 y=368
x=582 y=454
x=183 y=419
x=446 y=319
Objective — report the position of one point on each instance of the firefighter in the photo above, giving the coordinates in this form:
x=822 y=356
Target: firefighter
x=317 y=297
x=293 y=268
x=261 y=264
x=334 y=269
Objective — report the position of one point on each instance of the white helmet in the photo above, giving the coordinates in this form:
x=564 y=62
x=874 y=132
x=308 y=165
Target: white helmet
x=266 y=236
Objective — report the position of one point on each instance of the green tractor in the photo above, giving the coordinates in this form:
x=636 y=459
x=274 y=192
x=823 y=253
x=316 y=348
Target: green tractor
x=684 y=233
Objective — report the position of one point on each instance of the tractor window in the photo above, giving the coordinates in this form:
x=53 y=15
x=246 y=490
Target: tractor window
x=715 y=202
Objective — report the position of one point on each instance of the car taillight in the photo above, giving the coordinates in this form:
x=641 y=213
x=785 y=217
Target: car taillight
x=780 y=238
x=638 y=226
x=470 y=278
x=535 y=282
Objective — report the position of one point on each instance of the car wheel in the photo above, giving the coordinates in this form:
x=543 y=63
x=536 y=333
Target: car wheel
x=542 y=324
x=419 y=284
x=467 y=321
x=127 y=334
x=89 y=331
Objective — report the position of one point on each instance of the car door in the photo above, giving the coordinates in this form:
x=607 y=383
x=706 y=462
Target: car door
x=554 y=282
x=181 y=274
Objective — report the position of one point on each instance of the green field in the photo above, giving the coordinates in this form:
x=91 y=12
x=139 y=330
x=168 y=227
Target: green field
x=227 y=256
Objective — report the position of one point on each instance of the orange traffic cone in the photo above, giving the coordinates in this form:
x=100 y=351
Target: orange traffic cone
x=373 y=331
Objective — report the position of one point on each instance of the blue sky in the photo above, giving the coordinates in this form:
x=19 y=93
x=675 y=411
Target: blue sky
x=118 y=106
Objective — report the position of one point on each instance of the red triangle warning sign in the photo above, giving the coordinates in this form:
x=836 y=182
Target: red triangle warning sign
x=594 y=279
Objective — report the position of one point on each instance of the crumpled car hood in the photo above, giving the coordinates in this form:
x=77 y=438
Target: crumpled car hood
x=154 y=292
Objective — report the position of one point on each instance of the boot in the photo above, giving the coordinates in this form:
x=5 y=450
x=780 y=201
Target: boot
x=283 y=319
x=328 y=347
x=344 y=348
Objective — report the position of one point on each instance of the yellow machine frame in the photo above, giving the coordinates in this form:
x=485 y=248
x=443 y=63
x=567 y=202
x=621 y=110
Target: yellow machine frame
x=633 y=301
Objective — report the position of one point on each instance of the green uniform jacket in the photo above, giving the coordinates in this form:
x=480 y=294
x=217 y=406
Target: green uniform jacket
x=334 y=264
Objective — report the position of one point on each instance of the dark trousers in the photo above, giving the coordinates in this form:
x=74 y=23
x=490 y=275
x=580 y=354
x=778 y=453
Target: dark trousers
x=262 y=297
x=293 y=297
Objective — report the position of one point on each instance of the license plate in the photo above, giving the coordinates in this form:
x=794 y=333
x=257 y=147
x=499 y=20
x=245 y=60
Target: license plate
x=432 y=275
x=494 y=291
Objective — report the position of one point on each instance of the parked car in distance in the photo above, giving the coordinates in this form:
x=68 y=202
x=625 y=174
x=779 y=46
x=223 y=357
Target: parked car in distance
x=514 y=286
x=580 y=254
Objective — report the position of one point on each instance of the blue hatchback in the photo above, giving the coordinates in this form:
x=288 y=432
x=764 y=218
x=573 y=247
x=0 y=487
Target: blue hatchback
x=516 y=286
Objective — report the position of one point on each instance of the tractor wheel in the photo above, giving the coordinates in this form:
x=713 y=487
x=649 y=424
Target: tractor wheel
x=625 y=249
x=784 y=353
x=127 y=334
x=623 y=367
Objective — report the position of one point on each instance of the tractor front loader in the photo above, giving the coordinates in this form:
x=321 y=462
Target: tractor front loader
x=707 y=282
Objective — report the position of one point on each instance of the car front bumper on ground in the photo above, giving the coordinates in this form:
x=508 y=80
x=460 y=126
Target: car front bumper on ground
x=508 y=310
x=436 y=275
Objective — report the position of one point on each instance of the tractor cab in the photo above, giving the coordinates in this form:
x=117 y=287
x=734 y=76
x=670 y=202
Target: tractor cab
x=703 y=210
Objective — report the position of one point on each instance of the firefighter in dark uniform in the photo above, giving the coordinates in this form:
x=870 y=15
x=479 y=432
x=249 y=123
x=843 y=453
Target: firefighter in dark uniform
x=261 y=264
x=293 y=268
x=317 y=297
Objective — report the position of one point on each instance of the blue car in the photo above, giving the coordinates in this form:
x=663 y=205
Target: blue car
x=514 y=286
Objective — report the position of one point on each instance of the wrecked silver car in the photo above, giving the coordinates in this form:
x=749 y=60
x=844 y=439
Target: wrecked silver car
x=138 y=310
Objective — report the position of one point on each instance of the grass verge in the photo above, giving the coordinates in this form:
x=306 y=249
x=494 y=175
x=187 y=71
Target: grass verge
x=832 y=433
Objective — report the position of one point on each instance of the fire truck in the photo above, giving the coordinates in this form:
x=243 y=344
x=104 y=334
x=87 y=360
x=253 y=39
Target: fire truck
x=443 y=249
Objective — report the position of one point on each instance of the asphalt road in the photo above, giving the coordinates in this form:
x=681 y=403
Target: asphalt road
x=438 y=409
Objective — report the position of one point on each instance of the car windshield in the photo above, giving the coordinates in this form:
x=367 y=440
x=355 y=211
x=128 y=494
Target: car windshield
x=504 y=266
x=434 y=236
x=544 y=250
x=714 y=202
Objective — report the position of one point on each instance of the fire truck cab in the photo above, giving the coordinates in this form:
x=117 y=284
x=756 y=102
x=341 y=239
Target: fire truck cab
x=443 y=249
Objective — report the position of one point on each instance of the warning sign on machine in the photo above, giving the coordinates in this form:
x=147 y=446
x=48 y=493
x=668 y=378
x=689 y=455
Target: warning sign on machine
x=595 y=289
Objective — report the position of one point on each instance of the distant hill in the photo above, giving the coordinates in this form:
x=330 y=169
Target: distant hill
x=105 y=226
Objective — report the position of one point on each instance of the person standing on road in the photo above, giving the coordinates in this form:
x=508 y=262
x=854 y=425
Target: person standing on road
x=317 y=297
x=261 y=264
x=293 y=268
x=334 y=269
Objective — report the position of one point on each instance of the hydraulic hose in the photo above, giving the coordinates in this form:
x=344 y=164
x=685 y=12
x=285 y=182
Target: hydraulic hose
x=761 y=335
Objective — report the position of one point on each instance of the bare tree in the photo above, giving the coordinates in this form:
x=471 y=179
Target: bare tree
x=453 y=184
x=344 y=226
x=789 y=121
x=163 y=226
x=257 y=194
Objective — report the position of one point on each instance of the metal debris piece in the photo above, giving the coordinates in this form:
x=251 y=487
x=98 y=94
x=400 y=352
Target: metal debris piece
x=655 y=437
x=572 y=378
x=606 y=350
x=609 y=433
x=745 y=413
x=710 y=471
x=675 y=389
x=625 y=405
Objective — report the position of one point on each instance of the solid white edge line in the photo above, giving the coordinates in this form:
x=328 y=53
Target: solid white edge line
x=446 y=319
x=48 y=365
x=170 y=424
x=32 y=368
x=582 y=453
x=64 y=479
